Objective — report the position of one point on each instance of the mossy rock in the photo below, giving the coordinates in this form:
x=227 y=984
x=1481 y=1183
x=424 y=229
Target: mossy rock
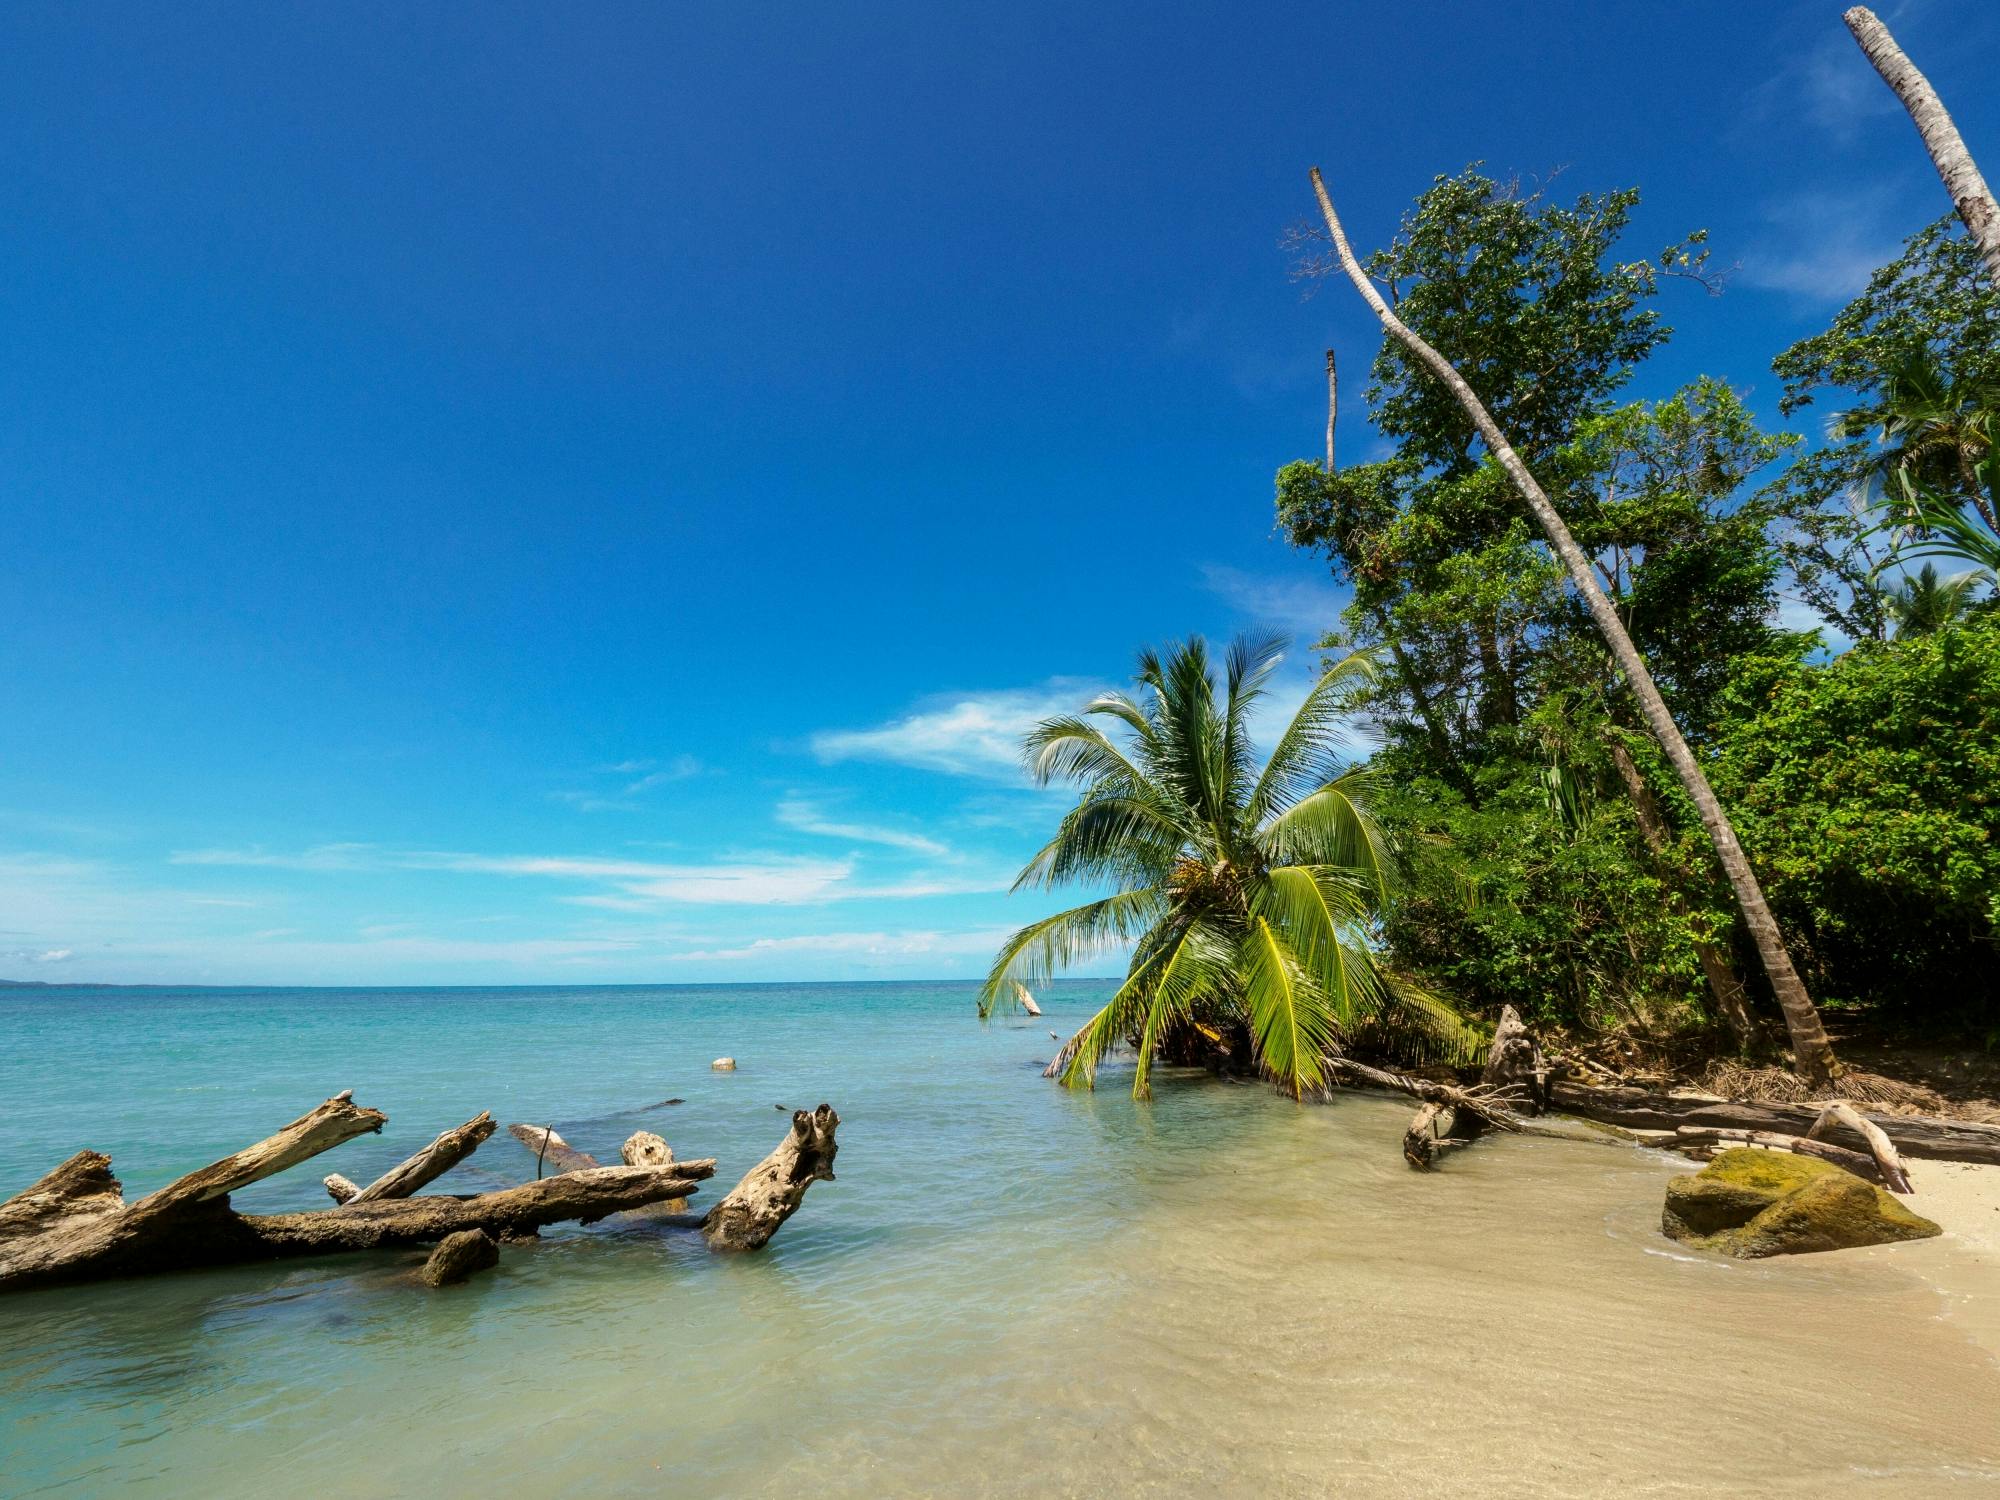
x=1751 y=1203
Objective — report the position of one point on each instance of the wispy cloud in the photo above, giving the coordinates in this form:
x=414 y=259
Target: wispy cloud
x=806 y=817
x=318 y=857
x=853 y=944
x=40 y=956
x=644 y=775
x=1824 y=246
x=630 y=884
x=1304 y=608
x=964 y=734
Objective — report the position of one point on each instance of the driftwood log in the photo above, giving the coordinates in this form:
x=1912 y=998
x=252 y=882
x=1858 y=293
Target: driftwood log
x=75 y=1225
x=771 y=1191
x=429 y=1164
x=552 y=1152
x=1921 y=1136
x=459 y=1256
x=645 y=1149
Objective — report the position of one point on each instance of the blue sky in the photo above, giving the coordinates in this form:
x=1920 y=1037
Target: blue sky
x=500 y=493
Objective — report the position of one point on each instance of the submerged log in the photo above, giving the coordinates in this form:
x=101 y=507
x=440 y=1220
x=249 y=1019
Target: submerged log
x=458 y=1256
x=429 y=1164
x=583 y=1197
x=551 y=1150
x=1925 y=1136
x=771 y=1191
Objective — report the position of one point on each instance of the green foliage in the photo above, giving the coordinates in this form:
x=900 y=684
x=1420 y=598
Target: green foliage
x=1247 y=892
x=1867 y=792
x=1919 y=354
x=1543 y=902
x=1863 y=787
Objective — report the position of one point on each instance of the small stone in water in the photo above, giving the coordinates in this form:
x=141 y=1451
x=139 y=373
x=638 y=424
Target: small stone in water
x=724 y=1065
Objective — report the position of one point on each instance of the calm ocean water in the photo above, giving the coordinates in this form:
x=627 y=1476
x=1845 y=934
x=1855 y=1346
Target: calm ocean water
x=1011 y=1289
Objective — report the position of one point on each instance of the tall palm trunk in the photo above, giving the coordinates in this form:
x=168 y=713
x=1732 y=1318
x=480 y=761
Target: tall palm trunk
x=1969 y=193
x=1812 y=1052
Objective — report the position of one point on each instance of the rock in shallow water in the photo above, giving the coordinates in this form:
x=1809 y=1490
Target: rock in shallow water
x=1750 y=1203
x=459 y=1255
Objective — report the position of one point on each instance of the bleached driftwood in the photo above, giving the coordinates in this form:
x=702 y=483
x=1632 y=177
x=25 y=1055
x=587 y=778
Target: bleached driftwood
x=1913 y=1135
x=459 y=1256
x=645 y=1149
x=429 y=1164
x=1894 y=1174
x=552 y=1152
x=74 y=1224
x=771 y=1191
x=75 y=1221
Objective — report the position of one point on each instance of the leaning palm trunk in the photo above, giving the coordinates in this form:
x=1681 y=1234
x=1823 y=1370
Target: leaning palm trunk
x=1969 y=193
x=1812 y=1052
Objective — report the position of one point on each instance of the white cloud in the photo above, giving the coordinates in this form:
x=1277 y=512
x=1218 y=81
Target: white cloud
x=44 y=956
x=849 y=944
x=806 y=817
x=969 y=734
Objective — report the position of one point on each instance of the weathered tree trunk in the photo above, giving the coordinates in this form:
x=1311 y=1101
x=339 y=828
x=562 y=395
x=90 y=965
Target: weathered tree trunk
x=773 y=1189
x=583 y=1196
x=1812 y=1052
x=1913 y=1135
x=552 y=1152
x=1716 y=966
x=645 y=1149
x=339 y=1188
x=1962 y=179
x=429 y=1164
x=75 y=1222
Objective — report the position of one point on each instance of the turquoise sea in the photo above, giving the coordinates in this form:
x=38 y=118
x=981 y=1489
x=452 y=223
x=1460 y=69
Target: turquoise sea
x=1010 y=1289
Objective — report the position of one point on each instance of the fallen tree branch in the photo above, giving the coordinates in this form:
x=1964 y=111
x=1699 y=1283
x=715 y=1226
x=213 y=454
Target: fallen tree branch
x=1838 y=1112
x=75 y=1222
x=1490 y=1105
x=429 y=1164
x=582 y=1196
x=1926 y=1136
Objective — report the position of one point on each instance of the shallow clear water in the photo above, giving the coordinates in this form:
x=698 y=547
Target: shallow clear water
x=1010 y=1290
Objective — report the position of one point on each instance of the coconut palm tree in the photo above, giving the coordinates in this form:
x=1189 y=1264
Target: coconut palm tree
x=1922 y=603
x=1245 y=893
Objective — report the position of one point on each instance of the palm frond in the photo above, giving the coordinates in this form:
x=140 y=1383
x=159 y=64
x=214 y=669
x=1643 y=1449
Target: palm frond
x=1300 y=759
x=1291 y=1024
x=1034 y=954
x=1331 y=826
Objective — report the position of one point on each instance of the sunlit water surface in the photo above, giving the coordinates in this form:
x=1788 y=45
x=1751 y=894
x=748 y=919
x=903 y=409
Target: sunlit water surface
x=1010 y=1290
